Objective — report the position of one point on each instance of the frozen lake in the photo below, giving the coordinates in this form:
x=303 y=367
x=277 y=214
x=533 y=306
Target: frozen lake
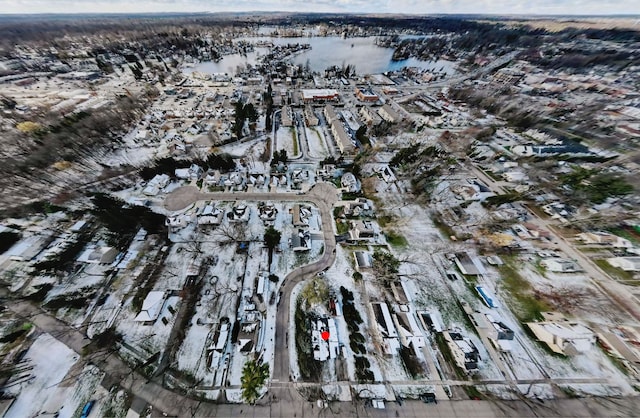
x=367 y=57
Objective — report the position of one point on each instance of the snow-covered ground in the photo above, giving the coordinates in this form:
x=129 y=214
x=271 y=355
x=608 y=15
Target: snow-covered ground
x=285 y=138
x=229 y=290
x=423 y=270
x=317 y=143
x=42 y=390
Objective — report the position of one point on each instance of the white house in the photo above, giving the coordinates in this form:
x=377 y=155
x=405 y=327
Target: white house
x=560 y=265
x=151 y=307
x=564 y=337
x=194 y=172
x=350 y=183
x=625 y=263
x=604 y=238
x=98 y=255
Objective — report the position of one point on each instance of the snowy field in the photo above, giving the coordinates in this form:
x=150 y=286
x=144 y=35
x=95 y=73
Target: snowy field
x=317 y=143
x=285 y=140
x=43 y=391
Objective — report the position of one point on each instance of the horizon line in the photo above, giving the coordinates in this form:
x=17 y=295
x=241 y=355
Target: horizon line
x=258 y=12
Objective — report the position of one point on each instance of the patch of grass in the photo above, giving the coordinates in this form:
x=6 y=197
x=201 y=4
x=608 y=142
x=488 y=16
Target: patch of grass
x=473 y=392
x=294 y=137
x=525 y=305
x=395 y=239
x=384 y=220
x=443 y=347
x=316 y=292
x=414 y=366
x=569 y=392
x=592 y=250
x=627 y=233
x=541 y=270
x=342 y=227
x=615 y=272
x=449 y=232
x=355 y=247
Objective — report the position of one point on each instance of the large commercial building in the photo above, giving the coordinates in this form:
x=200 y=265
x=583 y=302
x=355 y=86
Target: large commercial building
x=366 y=95
x=319 y=95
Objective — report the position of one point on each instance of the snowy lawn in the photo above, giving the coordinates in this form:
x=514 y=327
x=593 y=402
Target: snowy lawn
x=51 y=361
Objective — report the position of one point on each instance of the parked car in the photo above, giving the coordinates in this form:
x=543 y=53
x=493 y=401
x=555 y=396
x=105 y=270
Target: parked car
x=87 y=409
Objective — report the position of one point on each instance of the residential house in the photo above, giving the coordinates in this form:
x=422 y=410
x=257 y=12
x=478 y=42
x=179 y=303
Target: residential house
x=300 y=240
x=351 y=123
x=497 y=331
x=408 y=330
x=515 y=176
x=562 y=335
x=363 y=259
x=239 y=213
x=464 y=352
x=469 y=265
x=604 y=238
x=362 y=231
x=386 y=327
x=250 y=324
x=510 y=76
x=151 y=307
x=560 y=265
x=358 y=207
x=330 y=114
x=350 y=183
x=175 y=222
x=210 y=215
x=300 y=215
x=28 y=248
x=194 y=172
x=623 y=342
x=625 y=263
x=324 y=339
x=267 y=212
x=98 y=255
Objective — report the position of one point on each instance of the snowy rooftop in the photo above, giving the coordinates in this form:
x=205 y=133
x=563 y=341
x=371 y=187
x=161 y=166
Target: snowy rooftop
x=151 y=306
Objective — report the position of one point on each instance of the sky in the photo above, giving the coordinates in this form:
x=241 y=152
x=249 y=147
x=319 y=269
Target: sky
x=539 y=7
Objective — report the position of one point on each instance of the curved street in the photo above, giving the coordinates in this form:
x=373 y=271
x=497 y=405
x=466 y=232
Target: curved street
x=323 y=195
